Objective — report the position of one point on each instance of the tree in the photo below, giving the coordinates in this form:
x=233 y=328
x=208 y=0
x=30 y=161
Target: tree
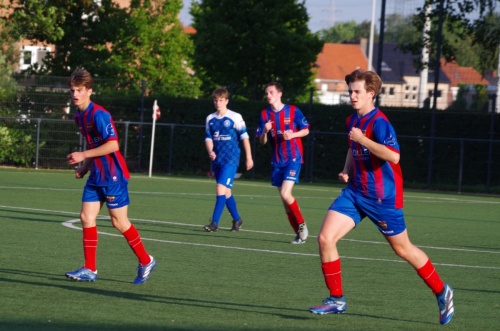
x=399 y=29
x=346 y=31
x=152 y=46
x=9 y=57
x=464 y=20
x=244 y=44
x=80 y=30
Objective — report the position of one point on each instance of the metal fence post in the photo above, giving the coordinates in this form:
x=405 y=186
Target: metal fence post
x=38 y=121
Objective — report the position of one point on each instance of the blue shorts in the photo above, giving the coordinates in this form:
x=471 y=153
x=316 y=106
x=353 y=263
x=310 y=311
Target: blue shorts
x=224 y=174
x=115 y=195
x=289 y=172
x=389 y=221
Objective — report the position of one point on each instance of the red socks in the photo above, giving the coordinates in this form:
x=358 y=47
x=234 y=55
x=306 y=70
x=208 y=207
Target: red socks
x=430 y=276
x=333 y=277
x=134 y=240
x=292 y=221
x=90 y=247
x=294 y=215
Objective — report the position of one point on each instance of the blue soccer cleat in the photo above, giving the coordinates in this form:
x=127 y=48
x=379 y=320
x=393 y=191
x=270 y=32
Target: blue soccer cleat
x=82 y=275
x=331 y=305
x=445 y=303
x=143 y=272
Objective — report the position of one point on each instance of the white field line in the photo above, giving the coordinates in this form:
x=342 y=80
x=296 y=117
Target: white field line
x=71 y=224
x=409 y=198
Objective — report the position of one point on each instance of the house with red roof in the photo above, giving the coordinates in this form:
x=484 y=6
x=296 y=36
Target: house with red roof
x=462 y=77
x=335 y=62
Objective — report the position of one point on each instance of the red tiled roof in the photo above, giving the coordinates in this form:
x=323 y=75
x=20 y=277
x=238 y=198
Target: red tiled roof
x=337 y=60
x=461 y=75
x=189 y=30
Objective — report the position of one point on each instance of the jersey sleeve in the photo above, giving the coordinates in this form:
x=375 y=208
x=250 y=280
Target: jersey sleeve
x=385 y=134
x=300 y=120
x=105 y=126
x=240 y=127
x=208 y=134
x=260 y=127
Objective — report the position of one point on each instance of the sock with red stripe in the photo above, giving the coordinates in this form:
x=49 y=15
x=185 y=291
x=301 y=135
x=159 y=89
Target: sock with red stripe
x=333 y=277
x=90 y=247
x=431 y=277
x=135 y=242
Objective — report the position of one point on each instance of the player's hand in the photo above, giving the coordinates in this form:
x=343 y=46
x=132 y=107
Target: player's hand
x=249 y=164
x=81 y=172
x=356 y=135
x=344 y=177
x=268 y=126
x=75 y=157
x=288 y=134
x=212 y=155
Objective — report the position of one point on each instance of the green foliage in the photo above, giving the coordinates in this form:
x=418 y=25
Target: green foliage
x=245 y=44
x=16 y=147
x=346 y=31
x=468 y=38
x=9 y=57
x=39 y=20
x=151 y=46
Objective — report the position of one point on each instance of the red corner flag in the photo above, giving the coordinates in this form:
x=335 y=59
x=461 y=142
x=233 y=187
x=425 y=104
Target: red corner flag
x=156 y=111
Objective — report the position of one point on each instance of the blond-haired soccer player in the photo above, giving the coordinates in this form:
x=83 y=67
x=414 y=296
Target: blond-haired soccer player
x=224 y=130
x=374 y=190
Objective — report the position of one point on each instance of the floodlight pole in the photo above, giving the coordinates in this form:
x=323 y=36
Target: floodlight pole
x=436 y=83
x=380 y=48
x=372 y=36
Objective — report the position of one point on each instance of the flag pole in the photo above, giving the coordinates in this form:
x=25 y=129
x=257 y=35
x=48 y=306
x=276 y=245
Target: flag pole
x=155 y=115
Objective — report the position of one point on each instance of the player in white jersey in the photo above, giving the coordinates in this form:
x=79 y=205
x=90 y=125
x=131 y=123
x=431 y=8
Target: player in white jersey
x=223 y=133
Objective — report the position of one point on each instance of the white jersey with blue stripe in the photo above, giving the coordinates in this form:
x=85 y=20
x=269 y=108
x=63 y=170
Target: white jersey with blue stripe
x=226 y=132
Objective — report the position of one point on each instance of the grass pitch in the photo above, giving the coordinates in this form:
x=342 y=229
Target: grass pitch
x=250 y=280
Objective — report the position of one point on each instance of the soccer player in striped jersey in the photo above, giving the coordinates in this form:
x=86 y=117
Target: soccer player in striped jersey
x=283 y=126
x=374 y=190
x=224 y=131
x=107 y=182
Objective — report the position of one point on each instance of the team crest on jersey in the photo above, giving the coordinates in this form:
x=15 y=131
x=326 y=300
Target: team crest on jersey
x=110 y=130
x=292 y=173
x=287 y=121
x=227 y=123
x=390 y=141
x=382 y=224
x=110 y=198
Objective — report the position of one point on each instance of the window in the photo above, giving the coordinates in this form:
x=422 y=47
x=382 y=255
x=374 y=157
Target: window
x=431 y=93
x=391 y=91
x=27 y=55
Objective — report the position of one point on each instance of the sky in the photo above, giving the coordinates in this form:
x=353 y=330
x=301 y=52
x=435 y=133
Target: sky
x=325 y=13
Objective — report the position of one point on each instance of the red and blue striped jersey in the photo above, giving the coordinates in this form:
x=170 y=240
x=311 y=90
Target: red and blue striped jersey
x=97 y=127
x=372 y=177
x=291 y=118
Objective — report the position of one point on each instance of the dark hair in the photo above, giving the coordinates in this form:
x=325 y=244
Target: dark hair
x=277 y=85
x=81 y=77
x=220 y=92
x=373 y=82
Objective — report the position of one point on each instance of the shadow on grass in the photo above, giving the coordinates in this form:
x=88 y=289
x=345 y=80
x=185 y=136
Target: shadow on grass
x=60 y=283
